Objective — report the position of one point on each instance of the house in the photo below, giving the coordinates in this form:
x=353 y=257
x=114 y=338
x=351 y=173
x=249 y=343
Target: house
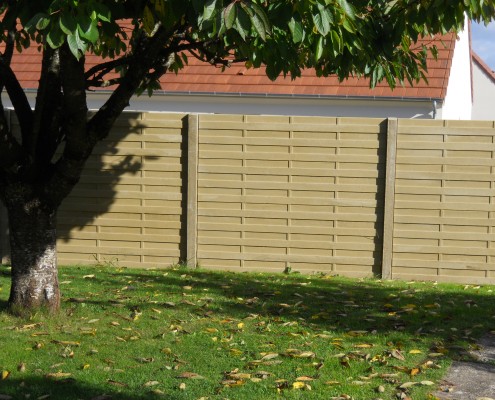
x=202 y=88
x=483 y=89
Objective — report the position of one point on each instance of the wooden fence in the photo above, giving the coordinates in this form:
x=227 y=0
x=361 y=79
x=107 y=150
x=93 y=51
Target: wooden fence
x=406 y=199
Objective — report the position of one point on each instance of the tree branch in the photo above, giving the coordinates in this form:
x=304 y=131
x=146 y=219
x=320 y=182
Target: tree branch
x=16 y=94
x=146 y=51
x=45 y=134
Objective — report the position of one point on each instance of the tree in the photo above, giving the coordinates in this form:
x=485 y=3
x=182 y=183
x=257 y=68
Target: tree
x=139 y=41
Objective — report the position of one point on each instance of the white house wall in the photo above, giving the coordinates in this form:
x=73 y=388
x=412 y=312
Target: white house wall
x=458 y=100
x=484 y=94
x=217 y=104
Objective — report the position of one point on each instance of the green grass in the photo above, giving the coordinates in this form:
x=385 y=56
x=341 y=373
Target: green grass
x=141 y=334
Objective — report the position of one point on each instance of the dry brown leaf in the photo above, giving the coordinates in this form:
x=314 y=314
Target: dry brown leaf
x=397 y=354
x=238 y=376
x=407 y=385
x=190 y=375
x=145 y=360
x=363 y=345
x=66 y=343
x=58 y=375
x=21 y=367
x=269 y=356
x=151 y=383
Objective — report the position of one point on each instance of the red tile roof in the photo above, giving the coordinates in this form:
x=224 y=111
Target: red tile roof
x=236 y=80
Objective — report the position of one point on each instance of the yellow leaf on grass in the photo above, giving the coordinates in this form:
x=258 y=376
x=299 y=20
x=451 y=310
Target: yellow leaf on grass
x=304 y=379
x=57 y=375
x=5 y=374
x=415 y=351
x=298 y=385
x=240 y=325
x=211 y=330
x=151 y=383
x=364 y=345
x=85 y=366
x=269 y=356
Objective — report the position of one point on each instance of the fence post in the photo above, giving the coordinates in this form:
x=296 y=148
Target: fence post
x=388 y=218
x=192 y=188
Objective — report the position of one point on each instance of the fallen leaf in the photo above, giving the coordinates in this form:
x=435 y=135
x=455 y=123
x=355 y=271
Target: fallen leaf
x=269 y=356
x=427 y=383
x=5 y=374
x=182 y=386
x=304 y=378
x=21 y=367
x=397 y=354
x=66 y=343
x=190 y=375
x=298 y=385
x=414 y=351
x=145 y=360
x=58 y=375
x=151 y=383
x=407 y=385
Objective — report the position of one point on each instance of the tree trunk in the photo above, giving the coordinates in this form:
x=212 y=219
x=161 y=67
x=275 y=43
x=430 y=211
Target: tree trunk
x=33 y=241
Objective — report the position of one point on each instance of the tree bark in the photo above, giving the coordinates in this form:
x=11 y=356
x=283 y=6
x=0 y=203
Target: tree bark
x=34 y=257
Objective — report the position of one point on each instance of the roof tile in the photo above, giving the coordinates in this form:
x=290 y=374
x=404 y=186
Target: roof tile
x=198 y=77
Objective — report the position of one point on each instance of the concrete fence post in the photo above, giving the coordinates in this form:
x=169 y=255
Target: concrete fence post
x=389 y=206
x=192 y=188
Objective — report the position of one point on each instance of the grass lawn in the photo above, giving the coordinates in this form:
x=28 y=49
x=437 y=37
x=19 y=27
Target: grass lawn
x=196 y=334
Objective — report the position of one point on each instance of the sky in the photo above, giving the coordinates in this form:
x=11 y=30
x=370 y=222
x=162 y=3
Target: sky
x=483 y=40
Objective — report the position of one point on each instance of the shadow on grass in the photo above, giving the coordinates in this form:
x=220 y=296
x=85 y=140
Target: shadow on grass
x=450 y=314
x=64 y=389
x=448 y=317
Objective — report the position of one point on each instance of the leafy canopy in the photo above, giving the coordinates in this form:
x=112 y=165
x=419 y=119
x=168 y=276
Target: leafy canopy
x=344 y=37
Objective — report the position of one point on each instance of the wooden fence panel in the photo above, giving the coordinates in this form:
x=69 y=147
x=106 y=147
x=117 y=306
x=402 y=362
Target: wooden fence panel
x=405 y=199
x=445 y=208
x=290 y=192
x=128 y=207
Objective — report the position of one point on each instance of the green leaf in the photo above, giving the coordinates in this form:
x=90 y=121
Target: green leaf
x=319 y=48
x=322 y=19
x=88 y=29
x=260 y=13
x=296 y=28
x=55 y=38
x=230 y=14
x=67 y=24
x=209 y=9
x=39 y=21
x=148 y=20
x=103 y=12
x=76 y=45
x=242 y=23
x=257 y=22
x=348 y=8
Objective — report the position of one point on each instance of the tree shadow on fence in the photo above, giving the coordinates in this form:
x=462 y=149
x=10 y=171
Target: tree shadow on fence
x=102 y=183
